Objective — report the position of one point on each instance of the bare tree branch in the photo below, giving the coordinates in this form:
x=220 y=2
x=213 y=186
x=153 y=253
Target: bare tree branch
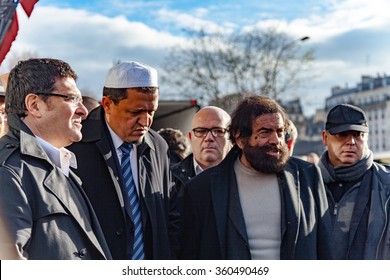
x=216 y=65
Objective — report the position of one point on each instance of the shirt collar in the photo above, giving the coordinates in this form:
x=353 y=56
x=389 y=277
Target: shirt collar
x=197 y=167
x=116 y=140
x=62 y=158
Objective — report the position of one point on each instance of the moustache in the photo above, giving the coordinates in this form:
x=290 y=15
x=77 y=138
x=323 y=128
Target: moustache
x=272 y=148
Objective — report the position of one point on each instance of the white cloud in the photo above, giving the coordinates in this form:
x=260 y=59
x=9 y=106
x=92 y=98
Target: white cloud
x=192 y=22
x=89 y=42
x=334 y=18
x=201 y=12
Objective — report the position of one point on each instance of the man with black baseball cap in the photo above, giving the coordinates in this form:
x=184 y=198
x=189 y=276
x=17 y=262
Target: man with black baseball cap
x=358 y=189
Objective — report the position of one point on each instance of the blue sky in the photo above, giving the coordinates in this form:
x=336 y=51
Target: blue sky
x=351 y=37
x=217 y=10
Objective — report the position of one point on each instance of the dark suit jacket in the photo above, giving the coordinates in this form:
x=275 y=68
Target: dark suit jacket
x=99 y=170
x=213 y=225
x=48 y=217
x=182 y=172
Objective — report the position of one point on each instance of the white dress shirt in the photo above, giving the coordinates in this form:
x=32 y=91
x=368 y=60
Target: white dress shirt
x=62 y=158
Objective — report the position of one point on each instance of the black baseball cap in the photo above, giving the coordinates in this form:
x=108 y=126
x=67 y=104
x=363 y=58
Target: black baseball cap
x=346 y=117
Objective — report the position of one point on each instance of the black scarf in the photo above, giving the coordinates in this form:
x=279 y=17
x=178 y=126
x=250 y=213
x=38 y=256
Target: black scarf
x=352 y=172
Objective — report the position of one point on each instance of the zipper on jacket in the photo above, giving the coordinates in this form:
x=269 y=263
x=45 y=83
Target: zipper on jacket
x=335 y=209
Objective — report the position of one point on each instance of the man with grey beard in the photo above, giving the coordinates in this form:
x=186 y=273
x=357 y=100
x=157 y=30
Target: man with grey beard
x=258 y=203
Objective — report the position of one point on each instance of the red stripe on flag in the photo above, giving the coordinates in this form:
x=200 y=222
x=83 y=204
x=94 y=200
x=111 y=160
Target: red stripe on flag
x=9 y=38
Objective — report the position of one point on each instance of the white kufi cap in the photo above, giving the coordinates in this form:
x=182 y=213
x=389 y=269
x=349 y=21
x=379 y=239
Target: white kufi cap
x=131 y=74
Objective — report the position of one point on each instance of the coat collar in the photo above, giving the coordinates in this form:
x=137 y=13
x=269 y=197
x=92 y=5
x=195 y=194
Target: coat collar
x=29 y=144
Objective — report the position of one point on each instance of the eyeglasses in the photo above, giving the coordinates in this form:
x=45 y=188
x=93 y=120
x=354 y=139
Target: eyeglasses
x=201 y=132
x=358 y=135
x=74 y=99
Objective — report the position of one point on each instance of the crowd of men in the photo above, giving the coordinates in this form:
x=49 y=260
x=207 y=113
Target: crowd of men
x=99 y=183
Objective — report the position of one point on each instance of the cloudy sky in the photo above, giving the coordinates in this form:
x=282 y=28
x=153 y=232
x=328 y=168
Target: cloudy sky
x=351 y=38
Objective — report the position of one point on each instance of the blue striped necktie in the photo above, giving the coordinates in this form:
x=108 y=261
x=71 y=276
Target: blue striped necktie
x=132 y=204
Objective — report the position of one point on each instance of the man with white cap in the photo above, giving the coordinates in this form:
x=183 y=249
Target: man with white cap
x=358 y=189
x=136 y=211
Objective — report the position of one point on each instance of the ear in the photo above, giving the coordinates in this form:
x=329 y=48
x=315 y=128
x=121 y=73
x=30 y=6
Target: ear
x=240 y=142
x=106 y=104
x=324 y=138
x=34 y=105
x=290 y=144
x=190 y=135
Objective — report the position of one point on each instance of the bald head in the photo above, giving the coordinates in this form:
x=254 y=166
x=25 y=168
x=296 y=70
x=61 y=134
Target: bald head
x=209 y=150
x=211 y=113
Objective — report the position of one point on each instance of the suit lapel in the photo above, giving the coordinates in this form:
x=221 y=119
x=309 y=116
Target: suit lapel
x=235 y=213
x=109 y=156
x=57 y=183
x=225 y=199
x=96 y=130
x=219 y=197
x=288 y=180
x=98 y=237
x=362 y=201
x=144 y=188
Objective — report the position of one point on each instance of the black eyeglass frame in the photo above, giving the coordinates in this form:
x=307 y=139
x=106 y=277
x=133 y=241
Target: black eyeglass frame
x=73 y=98
x=215 y=131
